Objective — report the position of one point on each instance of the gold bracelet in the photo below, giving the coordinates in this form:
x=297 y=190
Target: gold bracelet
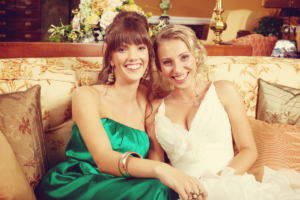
x=123 y=165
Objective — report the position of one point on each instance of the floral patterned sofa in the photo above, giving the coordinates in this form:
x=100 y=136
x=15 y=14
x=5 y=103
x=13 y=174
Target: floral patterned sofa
x=60 y=76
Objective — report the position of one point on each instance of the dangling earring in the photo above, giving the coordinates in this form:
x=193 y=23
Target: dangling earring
x=145 y=76
x=111 y=76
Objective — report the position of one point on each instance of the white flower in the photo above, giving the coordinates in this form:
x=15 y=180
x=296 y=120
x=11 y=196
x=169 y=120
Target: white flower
x=62 y=32
x=100 y=36
x=188 y=149
x=89 y=39
x=130 y=8
x=114 y=3
x=51 y=30
x=161 y=23
x=107 y=18
x=93 y=19
x=86 y=9
x=75 y=23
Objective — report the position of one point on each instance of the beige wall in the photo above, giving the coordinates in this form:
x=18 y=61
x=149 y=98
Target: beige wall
x=200 y=8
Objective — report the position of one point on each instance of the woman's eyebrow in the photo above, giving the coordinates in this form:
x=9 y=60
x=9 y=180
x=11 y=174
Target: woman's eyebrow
x=182 y=53
x=178 y=55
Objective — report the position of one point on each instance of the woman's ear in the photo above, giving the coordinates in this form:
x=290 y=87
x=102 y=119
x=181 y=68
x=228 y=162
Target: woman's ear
x=112 y=63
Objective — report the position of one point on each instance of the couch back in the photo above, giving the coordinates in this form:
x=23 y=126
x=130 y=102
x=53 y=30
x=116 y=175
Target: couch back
x=59 y=77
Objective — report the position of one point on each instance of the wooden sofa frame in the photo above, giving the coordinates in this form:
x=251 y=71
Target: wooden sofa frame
x=52 y=49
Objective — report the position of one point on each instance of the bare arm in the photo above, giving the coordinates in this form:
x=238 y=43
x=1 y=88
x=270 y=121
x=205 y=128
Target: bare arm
x=155 y=152
x=241 y=130
x=85 y=108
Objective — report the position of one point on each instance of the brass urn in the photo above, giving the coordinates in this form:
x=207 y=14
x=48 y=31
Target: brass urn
x=218 y=26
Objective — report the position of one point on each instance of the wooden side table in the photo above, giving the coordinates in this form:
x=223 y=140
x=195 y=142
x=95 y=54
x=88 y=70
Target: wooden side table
x=228 y=50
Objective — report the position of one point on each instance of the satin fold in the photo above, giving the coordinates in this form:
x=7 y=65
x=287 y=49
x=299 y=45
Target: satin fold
x=79 y=178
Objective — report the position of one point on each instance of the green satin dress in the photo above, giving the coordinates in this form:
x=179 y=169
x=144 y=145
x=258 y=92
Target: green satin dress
x=79 y=178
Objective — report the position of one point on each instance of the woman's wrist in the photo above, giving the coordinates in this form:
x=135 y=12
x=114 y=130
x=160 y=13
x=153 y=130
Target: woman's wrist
x=160 y=169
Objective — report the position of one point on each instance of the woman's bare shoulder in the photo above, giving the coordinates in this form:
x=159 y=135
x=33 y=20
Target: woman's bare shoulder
x=227 y=92
x=90 y=90
x=85 y=103
x=225 y=87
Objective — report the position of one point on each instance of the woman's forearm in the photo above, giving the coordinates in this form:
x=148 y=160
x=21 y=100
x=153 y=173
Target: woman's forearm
x=243 y=161
x=137 y=167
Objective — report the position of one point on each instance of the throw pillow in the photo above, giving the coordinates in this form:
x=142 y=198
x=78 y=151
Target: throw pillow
x=277 y=145
x=278 y=104
x=262 y=46
x=13 y=183
x=21 y=124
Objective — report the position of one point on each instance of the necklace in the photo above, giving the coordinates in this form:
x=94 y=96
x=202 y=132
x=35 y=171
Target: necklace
x=194 y=102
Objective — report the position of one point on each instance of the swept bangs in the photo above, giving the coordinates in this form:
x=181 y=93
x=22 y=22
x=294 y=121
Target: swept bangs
x=128 y=33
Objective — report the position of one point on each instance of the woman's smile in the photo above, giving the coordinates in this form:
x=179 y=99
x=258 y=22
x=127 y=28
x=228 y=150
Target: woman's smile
x=133 y=67
x=181 y=78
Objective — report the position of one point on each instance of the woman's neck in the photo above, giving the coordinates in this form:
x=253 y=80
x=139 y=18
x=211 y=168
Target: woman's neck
x=186 y=94
x=124 y=91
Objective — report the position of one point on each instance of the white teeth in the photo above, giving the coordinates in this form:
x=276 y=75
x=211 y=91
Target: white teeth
x=180 y=77
x=133 y=66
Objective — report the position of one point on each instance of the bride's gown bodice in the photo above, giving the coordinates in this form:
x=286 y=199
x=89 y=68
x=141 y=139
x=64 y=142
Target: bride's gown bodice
x=208 y=143
x=207 y=149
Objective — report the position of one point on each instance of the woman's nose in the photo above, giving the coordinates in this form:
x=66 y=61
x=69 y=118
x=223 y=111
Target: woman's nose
x=132 y=54
x=177 y=68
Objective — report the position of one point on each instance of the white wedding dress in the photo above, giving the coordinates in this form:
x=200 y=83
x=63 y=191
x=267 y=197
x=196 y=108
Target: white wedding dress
x=207 y=148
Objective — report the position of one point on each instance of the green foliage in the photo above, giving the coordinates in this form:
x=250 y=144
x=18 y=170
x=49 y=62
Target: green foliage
x=119 y=9
x=270 y=25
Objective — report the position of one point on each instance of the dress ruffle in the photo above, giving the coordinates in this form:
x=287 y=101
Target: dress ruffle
x=275 y=185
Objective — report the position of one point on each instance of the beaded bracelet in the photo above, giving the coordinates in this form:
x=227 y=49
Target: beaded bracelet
x=123 y=165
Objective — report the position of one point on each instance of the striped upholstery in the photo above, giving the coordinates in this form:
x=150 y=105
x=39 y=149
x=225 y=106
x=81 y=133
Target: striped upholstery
x=262 y=46
x=278 y=103
x=278 y=147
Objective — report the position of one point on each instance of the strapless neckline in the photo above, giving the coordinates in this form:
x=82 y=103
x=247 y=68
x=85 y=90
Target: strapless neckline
x=122 y=124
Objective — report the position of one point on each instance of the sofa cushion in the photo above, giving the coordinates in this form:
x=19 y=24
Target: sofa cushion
x=21 y=124
x=13 y=183
x=244 y=73
x=262 y=46
x=88 y=76
x=56 y=141
x=277 y=145
x=278 y=103
x=57 y=76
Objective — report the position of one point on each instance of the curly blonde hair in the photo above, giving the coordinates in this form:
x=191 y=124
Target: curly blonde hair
x=188 y=36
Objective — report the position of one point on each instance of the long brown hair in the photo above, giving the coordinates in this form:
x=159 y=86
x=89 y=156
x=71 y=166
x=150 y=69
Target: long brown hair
x=127 y=28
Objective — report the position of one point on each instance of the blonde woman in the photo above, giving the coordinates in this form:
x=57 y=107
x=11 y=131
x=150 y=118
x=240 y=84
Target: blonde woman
x=195 y=124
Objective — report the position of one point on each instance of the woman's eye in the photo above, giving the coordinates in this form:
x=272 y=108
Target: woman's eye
x=142 y=47
x=121 y=49
x=166 y=63
x=185 y=57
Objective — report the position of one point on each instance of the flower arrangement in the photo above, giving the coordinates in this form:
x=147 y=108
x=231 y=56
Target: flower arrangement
x=89 y=24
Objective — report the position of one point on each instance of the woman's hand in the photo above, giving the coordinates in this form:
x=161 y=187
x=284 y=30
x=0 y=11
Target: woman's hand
x=180 y=182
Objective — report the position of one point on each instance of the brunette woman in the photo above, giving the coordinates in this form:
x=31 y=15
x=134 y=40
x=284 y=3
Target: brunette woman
x=105 y=155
